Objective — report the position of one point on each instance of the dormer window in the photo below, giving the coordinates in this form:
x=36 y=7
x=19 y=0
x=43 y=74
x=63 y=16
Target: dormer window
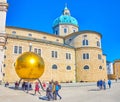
x=29 y=34
x=84 y=36
x=57 y=39
x=13 y=32
x=44 y=37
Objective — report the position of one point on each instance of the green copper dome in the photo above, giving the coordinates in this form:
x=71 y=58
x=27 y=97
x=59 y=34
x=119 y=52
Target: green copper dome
x=65 y=18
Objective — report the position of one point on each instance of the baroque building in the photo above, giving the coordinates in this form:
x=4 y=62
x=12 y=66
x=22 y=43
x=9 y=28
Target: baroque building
x=116 y=69
x=69 y=54
x=3 y=10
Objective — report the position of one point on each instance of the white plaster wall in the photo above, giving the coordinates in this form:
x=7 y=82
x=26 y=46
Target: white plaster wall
x=2 y=21
x=110 y=68
x=4 y=1
x=1 y=64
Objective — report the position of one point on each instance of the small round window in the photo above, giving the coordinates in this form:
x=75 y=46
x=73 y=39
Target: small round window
x=54 y=66
x=68 y=68
x=86 y=67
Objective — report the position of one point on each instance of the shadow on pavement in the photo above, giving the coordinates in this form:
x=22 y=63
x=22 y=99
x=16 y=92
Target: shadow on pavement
x=43 y=98
x=94 y=90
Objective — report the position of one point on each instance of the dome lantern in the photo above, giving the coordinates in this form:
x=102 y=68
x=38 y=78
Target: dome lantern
x=66 y=11
x=65 y=24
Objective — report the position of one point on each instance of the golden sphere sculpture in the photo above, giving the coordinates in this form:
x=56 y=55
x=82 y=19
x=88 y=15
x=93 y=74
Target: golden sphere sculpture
x=29 y=66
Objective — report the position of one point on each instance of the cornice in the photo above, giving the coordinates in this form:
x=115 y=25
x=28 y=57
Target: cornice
x=38 y=40
x=94 y=48
x=3 y=6
x=34 y=31
x=83 y=32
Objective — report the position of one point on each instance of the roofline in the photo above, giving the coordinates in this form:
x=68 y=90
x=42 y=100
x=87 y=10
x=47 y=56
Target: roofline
x=104 y=54
x=88 y=48
x=38 y=40
x=117 y=60
x=82 y=32
x=65 y=24
x=36 y=31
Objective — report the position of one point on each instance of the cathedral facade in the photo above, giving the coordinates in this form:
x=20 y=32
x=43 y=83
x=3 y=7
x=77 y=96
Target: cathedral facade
x=69 y=55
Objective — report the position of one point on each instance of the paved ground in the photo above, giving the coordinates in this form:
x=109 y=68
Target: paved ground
x=74 y=92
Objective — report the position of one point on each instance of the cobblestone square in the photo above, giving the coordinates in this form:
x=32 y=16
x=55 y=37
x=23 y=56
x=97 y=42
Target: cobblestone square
x=70 y=92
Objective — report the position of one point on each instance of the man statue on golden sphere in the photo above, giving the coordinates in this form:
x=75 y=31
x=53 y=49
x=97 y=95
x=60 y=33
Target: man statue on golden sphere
x=29 y=66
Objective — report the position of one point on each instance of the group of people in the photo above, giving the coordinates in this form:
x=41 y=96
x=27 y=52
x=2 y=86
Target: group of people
x=7 y=84
x=52 y=88
x=52 y=91
x=101 y=84
x=26 y=86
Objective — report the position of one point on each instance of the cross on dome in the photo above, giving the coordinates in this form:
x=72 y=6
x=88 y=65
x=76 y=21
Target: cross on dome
x=66 y=11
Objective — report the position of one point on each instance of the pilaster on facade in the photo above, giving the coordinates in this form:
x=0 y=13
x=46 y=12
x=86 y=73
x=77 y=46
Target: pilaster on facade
x=2 y=44
x=3 y=40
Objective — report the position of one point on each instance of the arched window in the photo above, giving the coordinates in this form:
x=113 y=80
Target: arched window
x=99 y=56
x=98 y=43
x=100 y=67
x=4 y=65
x=85 y=55
x=68 y=68
x=86 y=67
x=56 y=32
x=65 y=30
x=4 y=56
x=54 y=66
x=85 y=42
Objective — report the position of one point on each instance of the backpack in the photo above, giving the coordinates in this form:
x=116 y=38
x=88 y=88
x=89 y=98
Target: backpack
x=59 y=87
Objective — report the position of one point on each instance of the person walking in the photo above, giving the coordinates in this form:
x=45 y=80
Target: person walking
x=23 y=86
x=100 y=84
x=109 y=83
x=57 y=88
x=6 y=84
x=104 y=84
x=44 y=85
x=16 y=85
x=37 y=88
x=49 y=93
x=28 y=86
x=53 y=90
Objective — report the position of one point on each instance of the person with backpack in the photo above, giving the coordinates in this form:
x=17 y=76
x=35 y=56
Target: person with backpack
x=57 y=88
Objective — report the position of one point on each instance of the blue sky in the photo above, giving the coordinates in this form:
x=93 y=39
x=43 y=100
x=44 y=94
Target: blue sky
x=102 y=16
